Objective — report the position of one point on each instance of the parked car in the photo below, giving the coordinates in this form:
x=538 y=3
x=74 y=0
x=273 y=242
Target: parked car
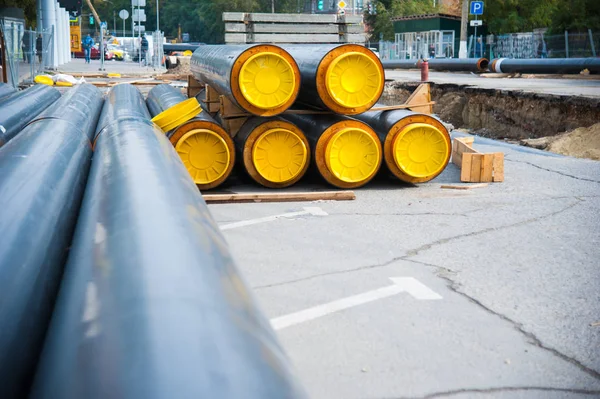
x=117 y=51
x=95 y=55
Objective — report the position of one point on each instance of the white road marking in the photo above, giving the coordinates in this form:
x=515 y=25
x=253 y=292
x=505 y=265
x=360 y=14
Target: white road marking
x=311 y=210
x=410 y=285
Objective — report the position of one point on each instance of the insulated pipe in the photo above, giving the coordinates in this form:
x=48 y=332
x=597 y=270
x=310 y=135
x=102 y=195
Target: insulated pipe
x=441 y=64
x=44 y=170
x=545 y=65
x=5 y=90
x=18 y=109
x=347 y=79
x=416 y=147
x=169 y=47
x=152 y=305
x=346 y=152
x=203 y=145
x=274 y=152
x=261 y=79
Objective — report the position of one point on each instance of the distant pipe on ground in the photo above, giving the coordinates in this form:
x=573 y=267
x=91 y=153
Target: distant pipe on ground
x=170 y=47
x=416 y=147
x=262 y=79
x=347 y=79
x=441 y=64
x=43 y=174
x=274 y=152
x=545 y=65
x=204 y=147
x=152 y=305
x=20 y=108
x=346 y=152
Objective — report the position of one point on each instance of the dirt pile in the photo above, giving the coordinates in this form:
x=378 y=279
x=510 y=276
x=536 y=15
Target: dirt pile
x=183 y=68
x=583 y=142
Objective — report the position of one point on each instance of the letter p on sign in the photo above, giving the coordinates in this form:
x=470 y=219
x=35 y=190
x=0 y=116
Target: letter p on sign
x=476 y=8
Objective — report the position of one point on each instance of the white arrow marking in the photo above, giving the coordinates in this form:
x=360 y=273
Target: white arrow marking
x=310 y=210
x=409 y=285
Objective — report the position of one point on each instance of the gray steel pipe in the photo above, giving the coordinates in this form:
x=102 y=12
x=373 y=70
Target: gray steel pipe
x=545 y=65
x=20 y=108
x=44 y=170
x=203 y=145
x=416 y=147
x=152 y=305
x=170 y=47
x=345 y=78
x=441 y=64
x=5 y=90
x=262 y=79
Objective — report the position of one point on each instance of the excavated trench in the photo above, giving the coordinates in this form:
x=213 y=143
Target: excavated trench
x=502 y=114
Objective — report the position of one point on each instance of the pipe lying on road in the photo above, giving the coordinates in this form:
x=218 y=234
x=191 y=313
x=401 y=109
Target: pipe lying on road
x=275 y=153
x=346 y=152
x=204 y=147
x=20 y=108
x=416 y=147
x=5 y=90
x=44 y=170
x=169 y=47
x=347 y=79
x=545 y=65
x=261 y=79
x=441 y=64
x=152 y=305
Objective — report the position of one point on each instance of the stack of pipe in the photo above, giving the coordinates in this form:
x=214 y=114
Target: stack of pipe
x=204 y=147
x=5 y=90
x=20 y=108
x=44 y=171
x=152 y=305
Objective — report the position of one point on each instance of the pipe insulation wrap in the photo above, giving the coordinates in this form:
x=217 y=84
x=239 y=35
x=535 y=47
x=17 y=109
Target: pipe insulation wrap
x=152 y=305
x=44 y=170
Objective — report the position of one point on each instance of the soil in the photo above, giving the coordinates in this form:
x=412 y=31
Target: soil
x=183 y=68
x=583 y=142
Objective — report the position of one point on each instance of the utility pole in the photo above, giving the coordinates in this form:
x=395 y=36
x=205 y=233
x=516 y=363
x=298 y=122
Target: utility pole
x=462 y=51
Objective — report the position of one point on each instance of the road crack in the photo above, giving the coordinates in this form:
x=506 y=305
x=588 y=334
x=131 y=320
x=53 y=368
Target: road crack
x=554 y=171
x=501 y=389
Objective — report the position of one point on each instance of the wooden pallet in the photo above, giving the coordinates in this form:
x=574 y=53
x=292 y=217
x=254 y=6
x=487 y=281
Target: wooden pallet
x=476 y=167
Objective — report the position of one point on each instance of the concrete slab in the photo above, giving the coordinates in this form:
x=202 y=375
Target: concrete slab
x=515 y=263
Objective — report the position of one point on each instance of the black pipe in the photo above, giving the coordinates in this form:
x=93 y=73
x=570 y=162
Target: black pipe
x=328 y=136
x=44 y=170
x=20 y=108
x=262 y=79
x=347 y=79
x=416 y=147
x=170 y=47
x=441 y=64
x=205 y=148
x=152 y=305
x=545 y=65
x=5 y=90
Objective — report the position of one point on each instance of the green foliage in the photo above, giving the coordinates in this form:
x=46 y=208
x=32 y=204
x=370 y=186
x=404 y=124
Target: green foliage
x=28 y=7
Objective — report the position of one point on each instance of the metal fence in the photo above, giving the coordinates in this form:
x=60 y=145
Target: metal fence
x=28 y=53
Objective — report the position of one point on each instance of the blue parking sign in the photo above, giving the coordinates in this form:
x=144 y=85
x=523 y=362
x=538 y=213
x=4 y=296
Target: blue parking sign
x=476 y=8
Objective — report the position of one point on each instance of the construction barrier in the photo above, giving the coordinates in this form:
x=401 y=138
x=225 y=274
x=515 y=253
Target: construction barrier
x=152 y=304
x=261 y=79
x=347 y=79
x=346 y=152
x=204 y=147
x=20 y=108
x=44 y=171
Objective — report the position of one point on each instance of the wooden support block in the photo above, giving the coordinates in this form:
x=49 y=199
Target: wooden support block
x=475 y=175
x=487 y=167
x=498 y=166
x=475 y=166
x=212 y=100
x=465 y=168
x=233 y=125
x=420 y=100
x=194 y=86
x=279 y=197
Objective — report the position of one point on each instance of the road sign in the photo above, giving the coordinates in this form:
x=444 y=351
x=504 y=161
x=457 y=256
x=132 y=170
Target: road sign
x=123 y=14
x=138 y=3
x=139 y=15
x=476 y=8
x=476 y=22
x=140 y=28
x=342 y=4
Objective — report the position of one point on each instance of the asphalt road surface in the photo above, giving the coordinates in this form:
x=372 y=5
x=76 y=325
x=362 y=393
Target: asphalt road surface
x=496 y=291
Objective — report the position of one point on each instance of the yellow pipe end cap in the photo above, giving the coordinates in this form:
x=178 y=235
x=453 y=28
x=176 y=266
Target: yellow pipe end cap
x=267 y=80
x=420 y=150
x=352 y=155
x=279 y=155
x=177 y=115
x=353 y=80
x=44 y=80
x=205 y=155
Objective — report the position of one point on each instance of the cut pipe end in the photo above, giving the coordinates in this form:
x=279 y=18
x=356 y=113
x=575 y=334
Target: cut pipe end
x=276 y=154
x=348 y=154
x=265 y=80
x=350 y=79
